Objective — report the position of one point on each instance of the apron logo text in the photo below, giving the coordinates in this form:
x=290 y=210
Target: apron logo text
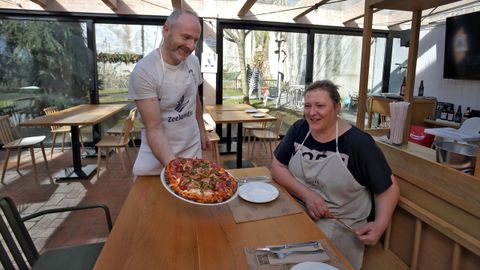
x=179 y=117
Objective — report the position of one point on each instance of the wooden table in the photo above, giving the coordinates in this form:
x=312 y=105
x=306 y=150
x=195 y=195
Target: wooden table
x=155 y=230
x=228 y=107
x=81 y=115
x=226 y=114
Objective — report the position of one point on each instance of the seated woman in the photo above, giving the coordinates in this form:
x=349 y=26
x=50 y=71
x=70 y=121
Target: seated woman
x=333 y=168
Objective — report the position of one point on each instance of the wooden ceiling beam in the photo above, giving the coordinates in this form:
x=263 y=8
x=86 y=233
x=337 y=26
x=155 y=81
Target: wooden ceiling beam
x=355 y=12
x=356 y=17
x=42 y=3
x=111 y=4
x=246 y=7
x=408 y=5
x=402 y=18
x=310 y=9
x=177 y=4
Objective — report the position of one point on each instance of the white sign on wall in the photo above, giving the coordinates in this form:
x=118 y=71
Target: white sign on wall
x=209 y=62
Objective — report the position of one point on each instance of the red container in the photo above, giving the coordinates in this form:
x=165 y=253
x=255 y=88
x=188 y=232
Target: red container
x=418 y=136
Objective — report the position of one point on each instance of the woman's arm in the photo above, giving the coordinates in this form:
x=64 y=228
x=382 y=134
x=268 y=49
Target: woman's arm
x=316 y=206
x=385 y=204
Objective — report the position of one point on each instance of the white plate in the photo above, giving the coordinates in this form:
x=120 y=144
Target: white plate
x=313 y=266
x=167 y=187
x=258 y=192
x=251 y=110
x=259 y=115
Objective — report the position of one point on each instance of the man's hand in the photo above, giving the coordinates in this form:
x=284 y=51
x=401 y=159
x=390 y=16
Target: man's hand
x=206 y=144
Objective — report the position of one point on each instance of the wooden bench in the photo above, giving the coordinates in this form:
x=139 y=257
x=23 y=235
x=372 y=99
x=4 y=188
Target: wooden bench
x=437 y=220
x=376 y=258
x=419 y=239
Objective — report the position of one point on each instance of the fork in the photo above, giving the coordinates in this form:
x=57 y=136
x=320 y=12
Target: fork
x=247 y=179
x=283 y=254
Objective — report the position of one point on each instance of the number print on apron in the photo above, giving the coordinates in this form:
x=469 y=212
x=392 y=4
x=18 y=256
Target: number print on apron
x=345 y=197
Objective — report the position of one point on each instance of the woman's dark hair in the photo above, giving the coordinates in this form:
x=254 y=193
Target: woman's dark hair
x=325 y=85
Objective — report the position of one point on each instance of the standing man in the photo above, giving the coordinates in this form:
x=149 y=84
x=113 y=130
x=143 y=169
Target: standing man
x=164 y=85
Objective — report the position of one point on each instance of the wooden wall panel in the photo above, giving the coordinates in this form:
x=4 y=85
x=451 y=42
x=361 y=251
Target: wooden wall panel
x=436 y=250
x=441 y=208
x=402 y=237
x=469 y=261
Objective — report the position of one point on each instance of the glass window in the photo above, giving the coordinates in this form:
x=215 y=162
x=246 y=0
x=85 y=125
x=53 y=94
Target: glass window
x=43 y=63
x=338 y=58
x=398 y=67
x=119 y=47
x=265 y=69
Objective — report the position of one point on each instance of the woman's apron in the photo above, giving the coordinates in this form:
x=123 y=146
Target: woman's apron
x=178 y=116
x=345 y=197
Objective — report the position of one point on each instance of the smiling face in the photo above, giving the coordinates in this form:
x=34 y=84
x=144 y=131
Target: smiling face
x=320 y=110
x=180 y=38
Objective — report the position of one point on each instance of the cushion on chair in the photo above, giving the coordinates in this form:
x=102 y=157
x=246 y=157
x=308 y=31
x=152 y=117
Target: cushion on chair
x=72 y=258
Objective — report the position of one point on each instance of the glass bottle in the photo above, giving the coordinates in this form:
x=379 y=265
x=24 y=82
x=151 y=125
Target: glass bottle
x=443 y=114
x=466 y=115
x=450 y=113
x=458 y=115
x=420 y=89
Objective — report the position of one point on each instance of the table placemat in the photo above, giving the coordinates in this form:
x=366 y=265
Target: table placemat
x=259 y=260
x=244 y=211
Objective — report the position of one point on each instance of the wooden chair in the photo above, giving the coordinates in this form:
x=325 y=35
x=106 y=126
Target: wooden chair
x=214 y=139
x=269 y=135
x=248 y=127
x=209 y=123
x=210 y=126
x=56 y=130
x=117 y=129
x=20 y=252
x=116 y=142
x=10 y=138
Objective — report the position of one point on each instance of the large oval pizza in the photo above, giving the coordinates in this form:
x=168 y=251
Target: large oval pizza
x=200 y=180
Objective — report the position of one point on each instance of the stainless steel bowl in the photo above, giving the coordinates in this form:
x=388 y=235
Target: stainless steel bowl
x=456 y=155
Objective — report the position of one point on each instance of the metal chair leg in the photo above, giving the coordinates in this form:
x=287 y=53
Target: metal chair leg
x=99 y=160
x=32 y=155
x=5 y=163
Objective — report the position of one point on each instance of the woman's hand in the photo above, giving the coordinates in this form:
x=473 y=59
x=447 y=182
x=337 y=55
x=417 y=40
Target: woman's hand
x=369 y=233
x=316 y=206
x=385 y=203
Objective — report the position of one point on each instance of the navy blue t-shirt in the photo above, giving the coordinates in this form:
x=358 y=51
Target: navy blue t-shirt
x=358 y=150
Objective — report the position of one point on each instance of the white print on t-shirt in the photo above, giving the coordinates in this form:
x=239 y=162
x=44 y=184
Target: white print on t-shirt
x=310 y=154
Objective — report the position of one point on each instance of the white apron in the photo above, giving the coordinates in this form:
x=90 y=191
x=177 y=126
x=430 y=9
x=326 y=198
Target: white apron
x=345 y=197
x=178 y=107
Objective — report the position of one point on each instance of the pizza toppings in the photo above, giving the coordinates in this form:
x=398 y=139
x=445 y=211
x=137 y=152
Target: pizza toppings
x=200 y=180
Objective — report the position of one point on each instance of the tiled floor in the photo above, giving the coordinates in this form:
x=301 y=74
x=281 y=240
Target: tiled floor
x=58 y=230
